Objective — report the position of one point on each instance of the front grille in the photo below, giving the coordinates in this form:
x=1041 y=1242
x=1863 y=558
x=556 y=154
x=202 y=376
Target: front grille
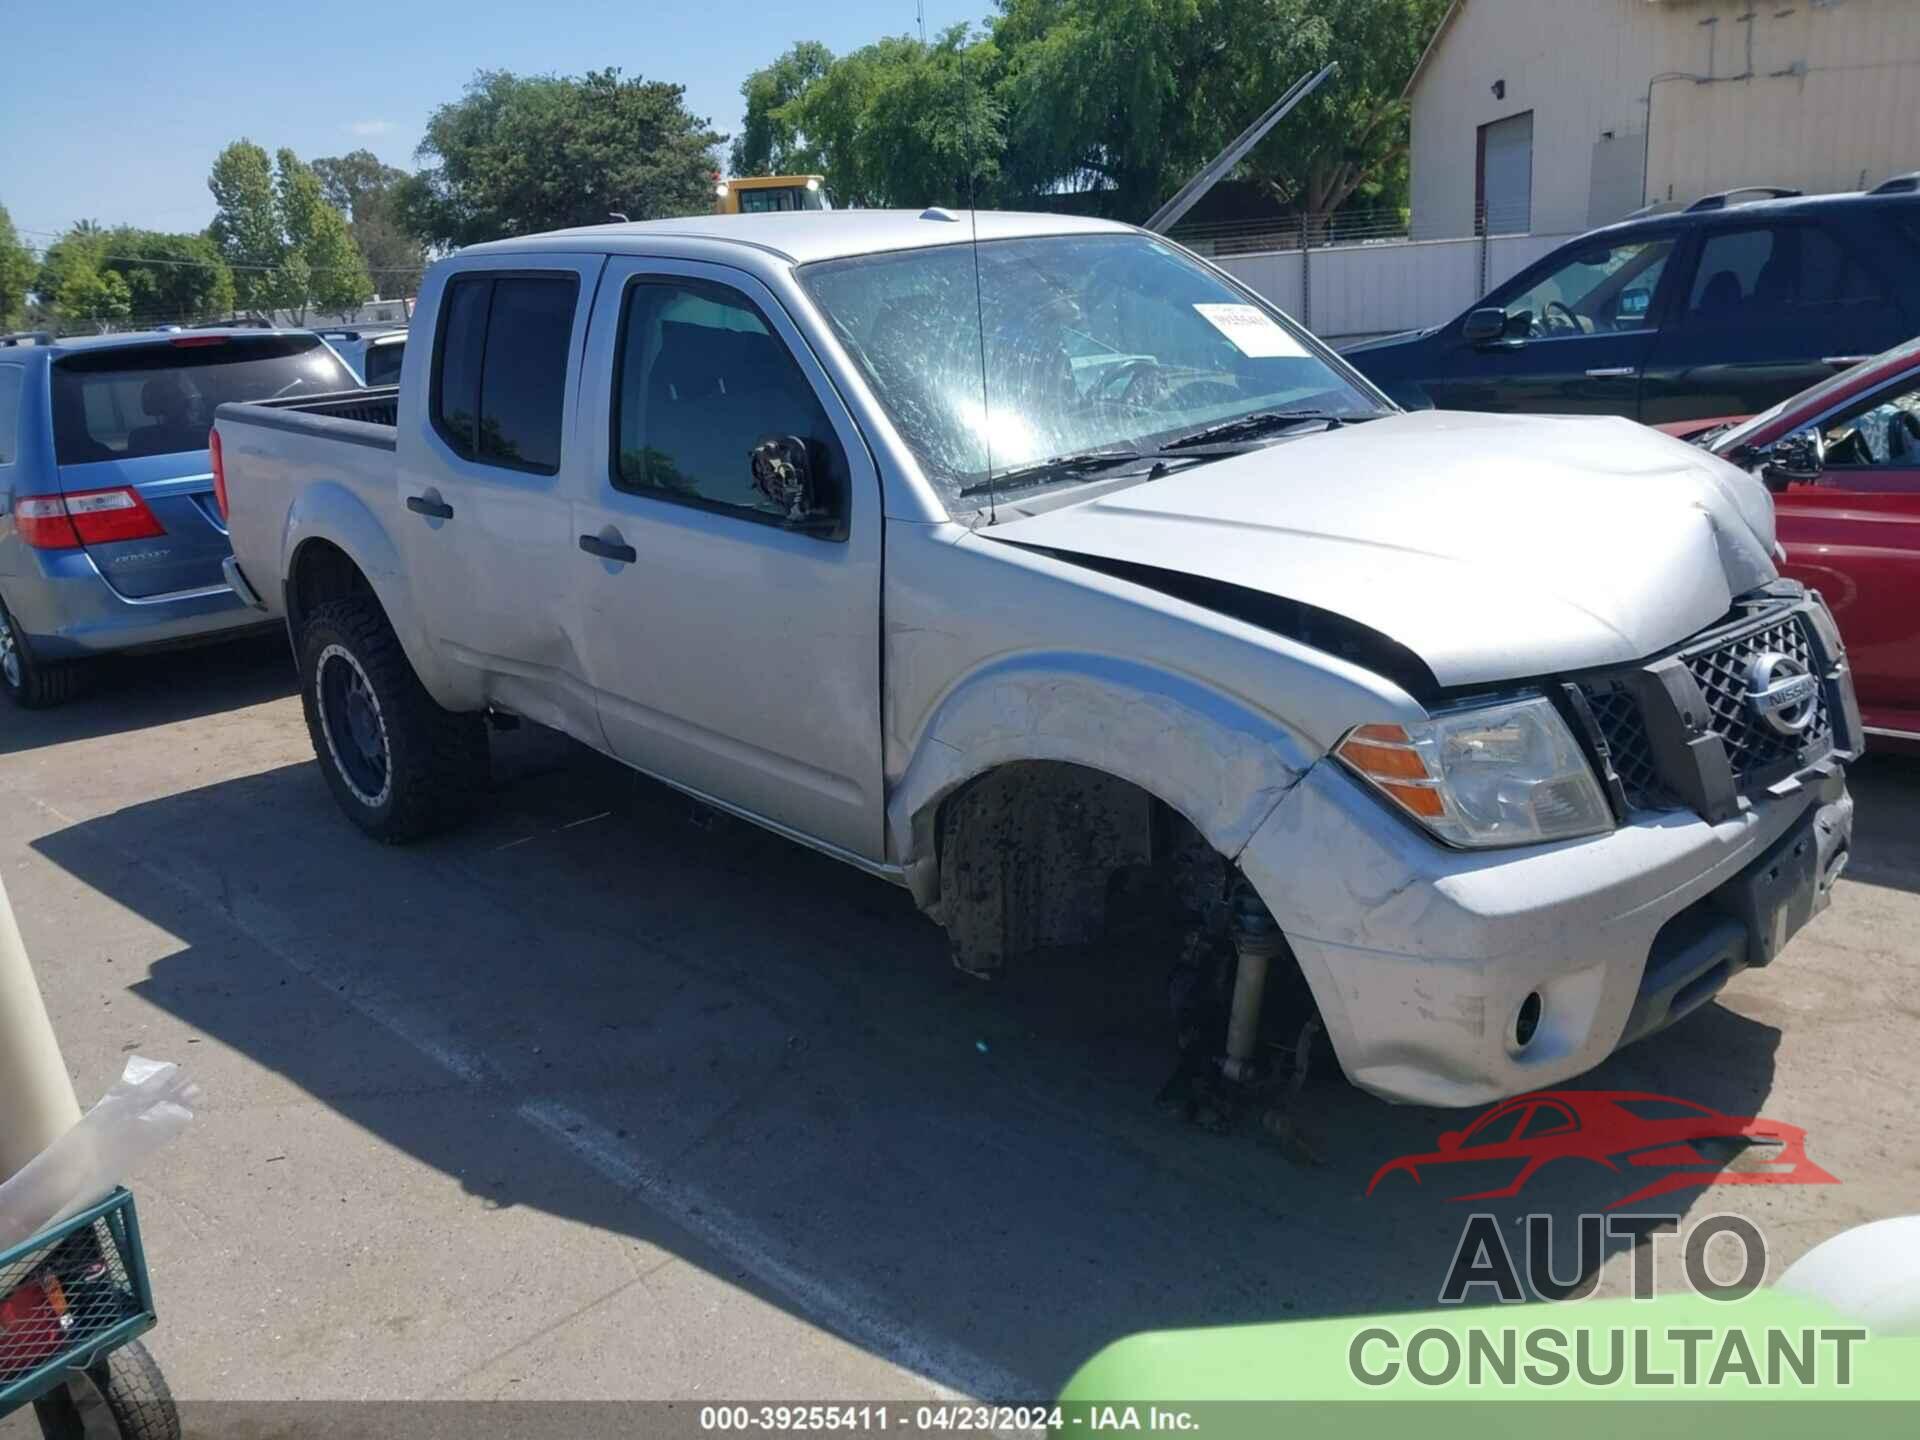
x=1755 y=754
x=1721 y=673
x=1625 y=730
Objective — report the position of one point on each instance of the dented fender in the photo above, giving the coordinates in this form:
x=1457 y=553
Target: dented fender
x=1218 y=761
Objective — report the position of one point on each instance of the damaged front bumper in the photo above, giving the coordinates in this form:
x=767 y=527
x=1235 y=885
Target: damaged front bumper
x=1452 y=977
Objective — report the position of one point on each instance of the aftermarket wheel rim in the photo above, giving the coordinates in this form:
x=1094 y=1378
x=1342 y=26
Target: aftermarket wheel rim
x=354 y=726
x=9 y=654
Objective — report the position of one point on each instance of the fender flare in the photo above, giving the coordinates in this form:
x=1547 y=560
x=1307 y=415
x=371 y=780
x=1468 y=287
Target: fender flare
x=330 y=511
x=1220 y=762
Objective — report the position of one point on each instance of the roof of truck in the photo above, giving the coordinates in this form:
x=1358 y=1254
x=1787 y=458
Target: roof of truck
x=801 y=236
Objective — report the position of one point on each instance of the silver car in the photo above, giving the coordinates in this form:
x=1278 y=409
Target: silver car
x=110 y=537
x=1001 y=557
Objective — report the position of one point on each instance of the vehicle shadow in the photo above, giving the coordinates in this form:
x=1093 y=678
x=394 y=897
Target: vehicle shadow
x=762 y=1036
x=126 y=693
x=1886 y=836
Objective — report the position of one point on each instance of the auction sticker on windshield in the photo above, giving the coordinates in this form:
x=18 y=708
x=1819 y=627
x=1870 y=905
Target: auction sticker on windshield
x=1252 y=331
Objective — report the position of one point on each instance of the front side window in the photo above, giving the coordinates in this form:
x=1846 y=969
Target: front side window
x=703 y=380
x=1884 y=433
x=500 y=384
x=1011 y=354
x=1599 y=291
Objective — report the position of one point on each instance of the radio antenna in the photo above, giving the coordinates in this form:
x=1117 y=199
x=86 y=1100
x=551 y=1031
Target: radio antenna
x=980 y=323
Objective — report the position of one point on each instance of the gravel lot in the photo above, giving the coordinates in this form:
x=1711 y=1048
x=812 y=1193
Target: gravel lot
x=592 y=1100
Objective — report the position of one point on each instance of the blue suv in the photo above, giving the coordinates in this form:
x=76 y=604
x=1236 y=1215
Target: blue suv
x=110 y=536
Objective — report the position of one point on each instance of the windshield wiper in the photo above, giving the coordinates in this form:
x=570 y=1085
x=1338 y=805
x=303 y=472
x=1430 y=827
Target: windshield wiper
x=1263 y=422
x=1061 y=467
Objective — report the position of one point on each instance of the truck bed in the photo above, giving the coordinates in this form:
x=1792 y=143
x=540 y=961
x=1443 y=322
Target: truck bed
x=332 y=450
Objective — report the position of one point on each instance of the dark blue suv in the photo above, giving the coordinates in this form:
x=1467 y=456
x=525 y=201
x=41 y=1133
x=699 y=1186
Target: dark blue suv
x=1721 y=309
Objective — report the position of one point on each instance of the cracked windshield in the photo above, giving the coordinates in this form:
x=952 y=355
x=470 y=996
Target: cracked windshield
x=1099 y=351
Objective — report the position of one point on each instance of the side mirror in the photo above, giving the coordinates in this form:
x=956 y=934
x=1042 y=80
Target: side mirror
x=783 y=473
x=1797 y=458
x=1449 y=1140
x=1489 y=322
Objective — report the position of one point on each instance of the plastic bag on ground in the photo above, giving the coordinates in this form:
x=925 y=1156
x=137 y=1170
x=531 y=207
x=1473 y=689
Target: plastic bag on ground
x=149 y=1105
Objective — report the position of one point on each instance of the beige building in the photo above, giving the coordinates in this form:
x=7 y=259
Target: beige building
x=1551 y=116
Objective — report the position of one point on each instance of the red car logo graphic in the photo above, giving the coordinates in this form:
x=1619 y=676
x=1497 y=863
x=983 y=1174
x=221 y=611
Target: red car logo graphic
x=1625 y=1131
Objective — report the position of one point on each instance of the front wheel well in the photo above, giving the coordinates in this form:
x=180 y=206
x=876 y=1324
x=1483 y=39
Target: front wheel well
x=1026 y=854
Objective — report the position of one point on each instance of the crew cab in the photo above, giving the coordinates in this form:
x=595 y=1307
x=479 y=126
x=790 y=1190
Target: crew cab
x=997 y=555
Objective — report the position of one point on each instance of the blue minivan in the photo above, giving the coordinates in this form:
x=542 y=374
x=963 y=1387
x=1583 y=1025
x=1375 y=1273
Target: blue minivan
x=110 y=535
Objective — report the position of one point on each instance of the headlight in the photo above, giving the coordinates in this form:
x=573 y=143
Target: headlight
x=1498 y=775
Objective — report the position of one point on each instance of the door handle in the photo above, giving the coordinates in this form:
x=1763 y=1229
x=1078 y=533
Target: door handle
x=609 y=549
x=1613 y=372
x=1843 y=362
x=421 y=505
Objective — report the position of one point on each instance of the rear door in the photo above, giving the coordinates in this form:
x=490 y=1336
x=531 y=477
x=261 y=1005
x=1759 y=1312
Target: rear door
x=1580 y=326
x=485 y=475
x=1854 y=535
x=1770 y=308
x=135 y=419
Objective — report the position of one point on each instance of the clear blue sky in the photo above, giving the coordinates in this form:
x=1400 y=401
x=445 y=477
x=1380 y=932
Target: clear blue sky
x=113 y=111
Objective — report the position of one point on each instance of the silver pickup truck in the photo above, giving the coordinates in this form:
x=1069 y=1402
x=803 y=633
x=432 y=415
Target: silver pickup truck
x=1003 y=555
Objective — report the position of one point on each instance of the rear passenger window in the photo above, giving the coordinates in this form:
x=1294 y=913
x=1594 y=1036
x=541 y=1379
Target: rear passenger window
x=702 y=380
x=1753 y=277
x=501 y=379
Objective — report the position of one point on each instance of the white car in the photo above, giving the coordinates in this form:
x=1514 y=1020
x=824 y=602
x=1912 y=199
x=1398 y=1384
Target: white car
x=997 y=554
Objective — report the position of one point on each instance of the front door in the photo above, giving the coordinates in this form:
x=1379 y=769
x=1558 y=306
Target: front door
x=1579 y=328
x=1854 y=535
x=732 y=650
x=488 y=525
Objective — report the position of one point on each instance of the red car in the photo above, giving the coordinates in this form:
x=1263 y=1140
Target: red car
x=1843 y=459
x=1618 y=1130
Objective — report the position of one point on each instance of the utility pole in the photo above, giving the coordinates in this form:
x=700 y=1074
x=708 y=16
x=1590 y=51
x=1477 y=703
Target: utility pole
x=920 y=15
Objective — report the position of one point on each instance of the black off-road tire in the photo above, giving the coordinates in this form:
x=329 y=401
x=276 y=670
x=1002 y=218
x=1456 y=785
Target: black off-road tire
x=130 y=1387
x=31 y=683
x=400 y=766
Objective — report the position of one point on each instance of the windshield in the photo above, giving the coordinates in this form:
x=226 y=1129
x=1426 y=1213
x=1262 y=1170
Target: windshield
x=1092 y=344
x=159 y=399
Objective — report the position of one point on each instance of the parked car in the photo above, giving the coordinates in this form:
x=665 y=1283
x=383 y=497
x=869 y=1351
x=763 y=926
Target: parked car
x=1720 y=309
x=993 y=569
x=1843 y=459
x=353 y=344
x=380 y=361
x=109 y=535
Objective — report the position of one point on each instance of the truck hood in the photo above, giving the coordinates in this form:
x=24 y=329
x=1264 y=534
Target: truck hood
x=1493 y=547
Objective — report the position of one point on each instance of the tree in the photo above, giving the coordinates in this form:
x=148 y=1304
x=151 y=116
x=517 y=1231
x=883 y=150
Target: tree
x=520 y=154
x=98 y=296
x=16 y=271
x=901 y=122
x=288 y=248
x=1351 y=136
x=768 y=143
x=366 y=191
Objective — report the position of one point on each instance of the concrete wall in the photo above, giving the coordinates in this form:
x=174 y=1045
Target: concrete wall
x=1352 y=290
x=1830 y=94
